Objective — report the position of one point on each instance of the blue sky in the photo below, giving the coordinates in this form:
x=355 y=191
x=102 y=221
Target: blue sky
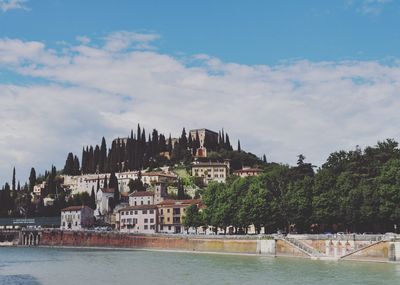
x=286 y=77
x=249 y=32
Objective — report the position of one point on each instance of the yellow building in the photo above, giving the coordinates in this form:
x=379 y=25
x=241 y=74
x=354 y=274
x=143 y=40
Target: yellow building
x=211 y=171
x=171 y=214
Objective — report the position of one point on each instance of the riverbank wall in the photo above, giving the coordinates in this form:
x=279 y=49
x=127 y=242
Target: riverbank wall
x=376 y=251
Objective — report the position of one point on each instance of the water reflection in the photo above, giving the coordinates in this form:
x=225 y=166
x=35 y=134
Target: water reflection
x=21 y=279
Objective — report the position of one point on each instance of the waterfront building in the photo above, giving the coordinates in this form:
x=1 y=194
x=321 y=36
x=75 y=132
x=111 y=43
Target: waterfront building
x=247 y=171
x=171 y=214
x=138 y=219
x=76 y=218
x=211 y=171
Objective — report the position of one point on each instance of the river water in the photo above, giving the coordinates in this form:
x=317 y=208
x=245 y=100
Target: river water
x=50 y=266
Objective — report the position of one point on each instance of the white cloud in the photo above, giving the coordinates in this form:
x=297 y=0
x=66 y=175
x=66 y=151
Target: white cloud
x=369 y=7
x=6 y=5
x=94 y=90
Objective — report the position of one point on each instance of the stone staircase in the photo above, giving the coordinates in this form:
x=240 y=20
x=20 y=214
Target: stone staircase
x=360 y=249
x=310 y=251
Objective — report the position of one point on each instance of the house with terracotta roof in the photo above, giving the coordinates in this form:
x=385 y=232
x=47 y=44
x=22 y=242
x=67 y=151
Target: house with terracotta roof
x=141 y=198
x=76 y=218
x=138 y=219
x=248 y=171
x=171 y=214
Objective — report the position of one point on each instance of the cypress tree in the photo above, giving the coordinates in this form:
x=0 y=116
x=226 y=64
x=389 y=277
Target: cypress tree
x=103 y=156
x=239 y=148
x=264 y=158
x=105 y=184
x=92 y=199
x=76 y=166
x=13 y=180
x=183 y=140
x=32 y=179
x=114 y=185
x=69 y=165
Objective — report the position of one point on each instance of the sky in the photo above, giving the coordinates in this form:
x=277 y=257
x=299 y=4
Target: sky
x=284 y=77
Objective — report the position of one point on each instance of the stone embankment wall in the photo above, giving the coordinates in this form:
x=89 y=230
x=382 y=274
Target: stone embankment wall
x=382 y=251
x=117 y=240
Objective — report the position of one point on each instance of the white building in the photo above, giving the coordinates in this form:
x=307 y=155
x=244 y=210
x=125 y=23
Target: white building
x=138 y=219
x=37 y=189
x=103 y=201
x=141 y=198
x=87 y=182
x=150 y=178
x=76 y=218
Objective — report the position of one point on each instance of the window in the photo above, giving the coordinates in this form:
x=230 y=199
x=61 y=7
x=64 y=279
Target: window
x=145 y=212
x=146 y=227
x=122 y=213
x=148 y=202
x=76 y=223
x=169 y=228
x=141 y=202
x=151 y=221
x=152 y=227
x=146 y=220
x=161 y=211
x=135 y=212
x=135 y=203
x=167 y=210
x=161 y=228
x=151 y=212
x=167 y=219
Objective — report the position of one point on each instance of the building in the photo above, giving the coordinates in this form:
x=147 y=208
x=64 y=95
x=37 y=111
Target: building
x=205 y=135
x=171 y=214
x=141 y=198
x=38 y=189
x=104 y=200
x=76 y=218
x=138 y=219
x=211 y=171
x=247 y=171
x=149 y=178
x=87 y=182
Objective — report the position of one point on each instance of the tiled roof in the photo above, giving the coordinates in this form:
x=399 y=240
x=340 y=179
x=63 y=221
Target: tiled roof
x=107 y=190
x=139 y=207
x=74 y=208
x=248 y=170
x=179 y=202
x=141 y=194
x=209 y=164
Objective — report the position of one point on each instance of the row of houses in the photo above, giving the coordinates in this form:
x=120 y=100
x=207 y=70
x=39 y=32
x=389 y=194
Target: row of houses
x=145 y=213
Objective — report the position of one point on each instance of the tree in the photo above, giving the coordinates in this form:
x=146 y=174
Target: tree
x=181 y=190
x=32 y=179
x=192 y=218
x=92 y=199
x=114 y=185
x=238 y=147
x=13 y=181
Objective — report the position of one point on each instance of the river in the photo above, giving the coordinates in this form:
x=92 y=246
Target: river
x=52 y=266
